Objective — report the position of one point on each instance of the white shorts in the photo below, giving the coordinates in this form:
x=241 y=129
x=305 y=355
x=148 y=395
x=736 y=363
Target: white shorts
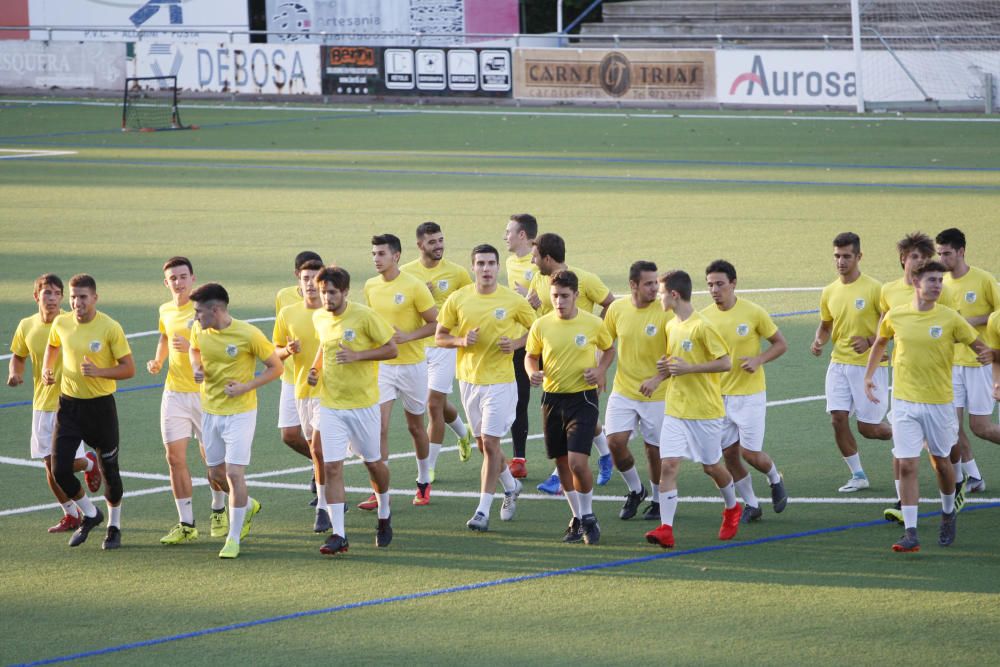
x=913 y=423
x=288 y=413
x=973 y=386
x=627 y=415
x=845 y=390
x=490 y=408
x=695 y=439
x=744 y=421
x=361 y=427
x=180 y=415
x=308 y=411
x=405 y=381
x=441 y=369
x=43 y=425
x=228 y=438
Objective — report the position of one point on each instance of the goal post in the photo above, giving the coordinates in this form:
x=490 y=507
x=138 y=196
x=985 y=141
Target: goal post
x=150 y=104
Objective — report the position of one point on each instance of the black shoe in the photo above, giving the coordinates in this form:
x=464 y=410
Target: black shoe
x=779 y=497
x=383 y=534
x=335 y=544
x=113 y=539
x=652 y=512
x=632 y=501
x=87 y=524
x=312 y=485
x=947 y=534
x=590 y=528
x=573 y=531
x=322 y=523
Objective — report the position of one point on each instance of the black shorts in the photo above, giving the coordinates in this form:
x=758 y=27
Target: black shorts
x=93 y=420
x=569 y=422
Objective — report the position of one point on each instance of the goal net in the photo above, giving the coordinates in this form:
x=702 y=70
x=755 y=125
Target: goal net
x=150 y=104
x=938 y=54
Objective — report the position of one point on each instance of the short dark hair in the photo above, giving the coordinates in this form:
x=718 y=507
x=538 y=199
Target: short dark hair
x=312 y=265
x=952 y=237
x=390 y=240
x=677 y=281
x=210 y=292
x=83 y=280
x=635 y=271
x=47 y=279
x=304 y=257
x=426 y=228
x=722 y=266
x=929 y=266
x=484 y=249
x=566 y=279
x=915 y=241
x=527 y=223
x=844 y=239
x=176 y=261
x=551 y=245
x=336 y=276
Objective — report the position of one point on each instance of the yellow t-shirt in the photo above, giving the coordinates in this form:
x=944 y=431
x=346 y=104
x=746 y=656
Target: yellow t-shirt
x=641 y=343
x=354 y=385
x=742 y=327
x=992 y=334
x=286 y=297
x=567 y=347
x=101 y=340
x=399 y=302
x=295 y=322
x=898 y=292
x=925 y=347
x=854 y=310
x=30 y=340
x=592 y=290
x=229 y=354
x=177 y=321
x=976 y=294
x=442 y=280
x=695 y=395
x=502 y=313
x=520 y=271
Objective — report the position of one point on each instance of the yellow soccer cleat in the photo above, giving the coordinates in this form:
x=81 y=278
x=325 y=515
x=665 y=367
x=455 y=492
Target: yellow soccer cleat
x=465 y=446
x=248 y=519
x=180 y=534
x=230 y=549
x=219 y=523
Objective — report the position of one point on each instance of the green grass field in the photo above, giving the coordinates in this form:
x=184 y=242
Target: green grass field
x=255 y=185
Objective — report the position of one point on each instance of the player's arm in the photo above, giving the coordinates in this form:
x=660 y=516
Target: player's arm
x=996 y=374
x=874 y=359
x=15 y=370
x=194 y=355
x=777 y=347
x=508 y=345
x=533 y=369
x=677 y=366
x=272 y=371
x=984 y=354
x=52 y=353
x=599 y=375
x=607 y=301
x=155 y=365
x=444 y=338
x=381 y=353
x=123 y=370
x=316 y=369
x=823 y=332
x=427 y=330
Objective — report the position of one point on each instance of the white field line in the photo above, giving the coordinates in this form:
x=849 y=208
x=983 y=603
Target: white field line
x=20 y=153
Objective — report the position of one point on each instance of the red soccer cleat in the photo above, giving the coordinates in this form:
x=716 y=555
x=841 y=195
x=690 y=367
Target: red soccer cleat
x=662 y=536
x=518 y=468
x=730 y=522
x=370 y=504
x=93 y=476
x=66 y=524
x=423 y=495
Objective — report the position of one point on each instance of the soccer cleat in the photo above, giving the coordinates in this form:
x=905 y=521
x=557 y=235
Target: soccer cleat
x=652 y=512
x=960 y=496
x=66 y=524
x=662 y=536
x=113 y=539
x=423 y=495
x=590 y=528
x=312 y=489
x=87 y=523
x=335 y=544
x=219 y=523
x=730 y=522
x=465 y=445
x=322 y=523
x=518 y=468
x=370 y=504
x=509 y=506
x=248 y=519
x=383 y=534
x=751 y=514
x=632 y=502
x=779 y=498
x=432 y=476
x=856 y=483
x=894 y=513
x=551 y=486
x=604 y=469
x=908 y=542
x=179 y=534
x=314 y=502
x=574 y=532
x=974 y=485
x=479 y=522
x=948 y=524
x=231 y=549
x=93 y=476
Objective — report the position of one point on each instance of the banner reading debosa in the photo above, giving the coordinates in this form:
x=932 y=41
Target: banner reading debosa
x=601 y=74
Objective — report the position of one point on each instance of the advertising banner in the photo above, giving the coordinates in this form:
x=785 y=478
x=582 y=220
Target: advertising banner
x=63 y=65
x=14 y=13
x=601 y=75
x=786 y=78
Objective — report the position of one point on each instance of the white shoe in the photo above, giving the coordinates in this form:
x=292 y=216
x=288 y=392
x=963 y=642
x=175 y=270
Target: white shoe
x=855 y=484
x=509 y=505
x=974 y=485
x=479 y=522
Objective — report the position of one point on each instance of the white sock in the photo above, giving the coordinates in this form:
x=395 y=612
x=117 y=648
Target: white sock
x=896 y=481
x=458 y=426
x=383 y=505
x=336 y=513
x=631 y=477
x=86 y=506
x=947 y=503
x=555 y=473
x=910 y=516
x=854 y=463
x=218 y=500
x=90 y=463
x=432 y=456
x=321 y=498
x=654 y=491
x=668 y=507
x=959 y=475
x=236 y=516
x=485 y=503
x=423 y=471
x=773 y=476
x=586 y=501
x=744 y=487
x=729 y=494
x=185 y=510
x=70 y=509
x=573 y=498
x=972 y=469
x=507 y=480
x=114 y=515
x=601 y=442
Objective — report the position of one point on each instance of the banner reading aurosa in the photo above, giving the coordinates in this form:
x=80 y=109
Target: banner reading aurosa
x=627 y=74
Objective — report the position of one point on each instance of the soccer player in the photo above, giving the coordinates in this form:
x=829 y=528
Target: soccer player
x=742 y=325
x=224 y=353
x=94 y=355
x=977 y=296
x=408 y=306
x=180 y=407
x=352 y=340
x=925 y=334
x=519 y=235
x=849 y=314
x=295 y=341
x=569 y=339
x=692 y=427
x=442 y=278
x=30 y=340
x=486 y=322
x=636 y=400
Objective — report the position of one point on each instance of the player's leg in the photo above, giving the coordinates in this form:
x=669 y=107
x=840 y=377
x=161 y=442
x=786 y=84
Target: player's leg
x=519 y=429
x=908 y=441
x=752 y=422
x=652 y=451
x=940 y=430
x=412 y=384
x=363 y=428
x=704 y=438
x=237 y=435
x=980 y=408
x=581 y=422
x=101 y=432
x=332 y=437
x=733 y=461
x=42 y=431
x=175 y=432
x=839 y=404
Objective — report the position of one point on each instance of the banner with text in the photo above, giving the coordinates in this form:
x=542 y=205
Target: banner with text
x=62 y=65
x=786 y=78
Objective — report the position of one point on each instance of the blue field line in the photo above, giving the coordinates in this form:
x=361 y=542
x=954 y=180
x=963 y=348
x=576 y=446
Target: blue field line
x=476 y=586
x=811 y=311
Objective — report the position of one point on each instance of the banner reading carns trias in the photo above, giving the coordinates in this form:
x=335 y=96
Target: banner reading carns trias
x=599 y=74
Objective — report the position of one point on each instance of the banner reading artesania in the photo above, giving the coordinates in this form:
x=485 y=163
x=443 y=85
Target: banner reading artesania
x=599 y=74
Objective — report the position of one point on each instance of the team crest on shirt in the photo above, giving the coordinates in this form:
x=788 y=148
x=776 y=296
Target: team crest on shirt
x=859 y=304
x=687 y=345
x=349 y=335
x=650 y=329
x=742 y=329
x=936 y=332
x=528 y=275
x=500 y=313
x=399 y=298
x=970 y=297
x=190 y=323
x=231 y=350
x=95 y=346
x=443 y=285
x=580 y=340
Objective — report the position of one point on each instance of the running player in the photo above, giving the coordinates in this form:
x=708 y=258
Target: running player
x=487 y=322
x=742 y=325
x=569 y=339
x=442 y=278
x=224 y=353
x=693 y=424
x=95 y=355
x=30 y=340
